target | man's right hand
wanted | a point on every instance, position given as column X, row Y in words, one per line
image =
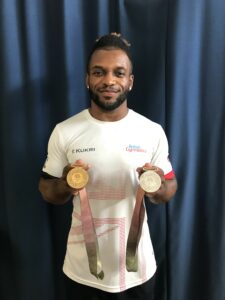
column 56, row 190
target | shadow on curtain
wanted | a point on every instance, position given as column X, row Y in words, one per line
column 179, row 54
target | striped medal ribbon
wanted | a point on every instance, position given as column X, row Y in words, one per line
column 90, row 237
column 150, row 182
column 77, row 178
column 135, row 232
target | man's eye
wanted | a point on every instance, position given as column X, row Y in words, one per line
column 120, row 74
column 97, row 73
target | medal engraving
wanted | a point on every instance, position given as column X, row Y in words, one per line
column 150, row 181
column 77, row 178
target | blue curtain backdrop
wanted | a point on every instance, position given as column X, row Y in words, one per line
column 179, row 53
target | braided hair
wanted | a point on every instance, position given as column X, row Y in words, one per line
column 109, row 42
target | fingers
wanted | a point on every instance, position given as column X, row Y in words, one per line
column 80, row 163
column 75, row 192
column 148, row 166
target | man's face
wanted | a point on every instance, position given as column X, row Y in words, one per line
column 109, row 78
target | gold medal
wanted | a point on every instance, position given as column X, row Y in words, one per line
column 150, row 181
column 77, row 178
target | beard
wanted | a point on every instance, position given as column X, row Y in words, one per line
column 107, row 106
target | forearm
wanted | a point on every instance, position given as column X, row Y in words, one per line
column 55, row 191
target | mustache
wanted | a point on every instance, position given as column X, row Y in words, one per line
column 108, row 89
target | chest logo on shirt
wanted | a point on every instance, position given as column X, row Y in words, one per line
column 135, row 148
column 80, row 150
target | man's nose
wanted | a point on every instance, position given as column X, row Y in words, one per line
column 109, row 78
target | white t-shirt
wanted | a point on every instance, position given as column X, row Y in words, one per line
column 114, row 150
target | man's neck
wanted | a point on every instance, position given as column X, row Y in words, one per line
column 108, row 116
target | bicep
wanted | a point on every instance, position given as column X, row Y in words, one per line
column 45, row 175
column 56, row 158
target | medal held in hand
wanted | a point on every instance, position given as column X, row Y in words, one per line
column 77, row 178
column 150, row 181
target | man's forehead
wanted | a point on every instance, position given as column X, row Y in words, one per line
column 113, row 57
column 102, row 66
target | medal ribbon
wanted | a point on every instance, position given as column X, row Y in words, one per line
column 135, row 232
column 91, row 242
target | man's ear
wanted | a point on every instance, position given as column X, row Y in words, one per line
column 87, row 80
column 131, row 82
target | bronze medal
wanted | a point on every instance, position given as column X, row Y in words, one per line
column 77, row 178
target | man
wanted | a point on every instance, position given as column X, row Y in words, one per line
column 109, row 252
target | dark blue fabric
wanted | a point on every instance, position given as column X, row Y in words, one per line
column 179, row 57
column 196, row 93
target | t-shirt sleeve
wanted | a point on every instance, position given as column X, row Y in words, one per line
column 161, row 156
column 56, row 157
